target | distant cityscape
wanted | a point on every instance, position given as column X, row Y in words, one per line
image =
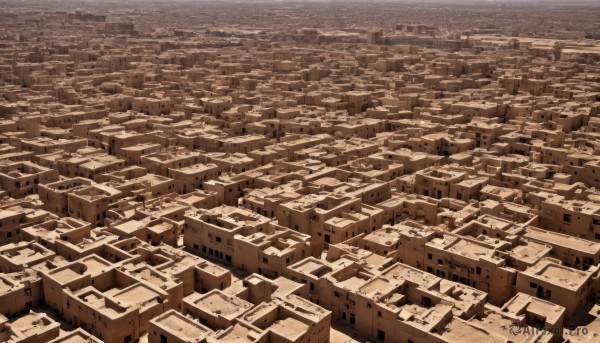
column 299, row 172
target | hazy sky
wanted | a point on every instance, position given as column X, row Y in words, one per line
column 290, row 1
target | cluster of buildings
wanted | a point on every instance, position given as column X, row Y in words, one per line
column 233, row 184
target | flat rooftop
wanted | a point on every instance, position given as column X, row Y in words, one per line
column 562, row 240
column 562, row 276
column 290, row 328
column 181, row 326
column 222, row 305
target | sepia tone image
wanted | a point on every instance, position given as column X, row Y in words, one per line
column 287, row 171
